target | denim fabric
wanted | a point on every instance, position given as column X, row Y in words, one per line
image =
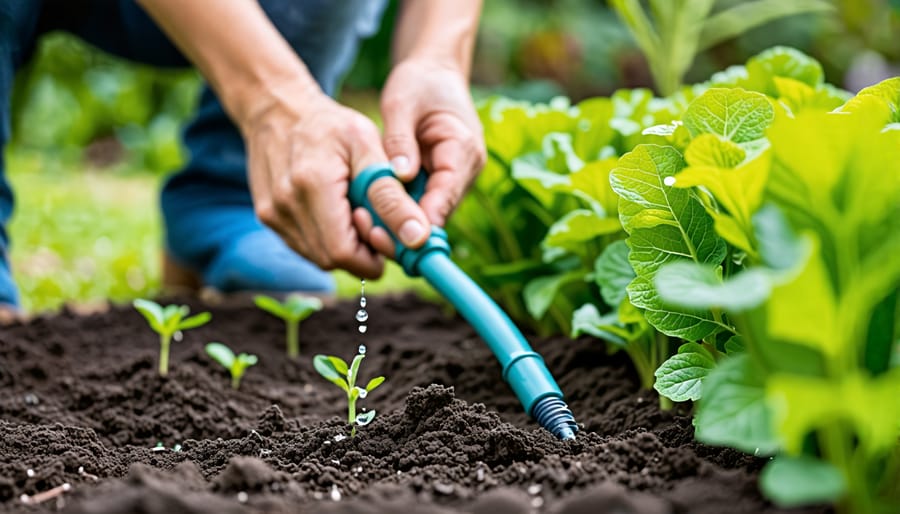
column 209, row 219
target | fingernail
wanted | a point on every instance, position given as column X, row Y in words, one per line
column 411, row 232
column 400, row 164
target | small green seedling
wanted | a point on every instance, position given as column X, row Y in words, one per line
column 293, row 310
column 235, row 364
column 335, row 370
column 167, row 322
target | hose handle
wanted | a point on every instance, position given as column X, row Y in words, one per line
column 408, row 258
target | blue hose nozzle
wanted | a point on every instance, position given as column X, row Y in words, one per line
column 523, row 368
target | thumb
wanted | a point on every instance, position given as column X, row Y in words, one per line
column 399, row 139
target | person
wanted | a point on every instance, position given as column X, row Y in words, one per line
column 262, row 202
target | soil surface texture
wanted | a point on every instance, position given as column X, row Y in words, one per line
column 82, row 404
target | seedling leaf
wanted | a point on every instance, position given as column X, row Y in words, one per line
column 325, row 367
column 195, row 321
column 152, row 312
column 339, row 365
column 375, row 382
column 221, row 354
column 299, row 307
column 270, row 305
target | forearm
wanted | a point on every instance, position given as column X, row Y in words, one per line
column 238, row 50
column 442, row 31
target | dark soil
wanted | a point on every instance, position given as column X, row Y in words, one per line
column 82, row 393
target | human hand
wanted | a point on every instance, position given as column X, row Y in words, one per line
column 303, row 150
column 429, row 120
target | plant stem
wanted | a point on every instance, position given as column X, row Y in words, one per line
column 164, row 354
column 235, row 382
column 293, row 346
column 351, row 413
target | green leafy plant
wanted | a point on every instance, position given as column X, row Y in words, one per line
column 335, row 370
column 168, row 322
column 809, row 293
column 235, row 364
column 294, row 309
column 672, row 32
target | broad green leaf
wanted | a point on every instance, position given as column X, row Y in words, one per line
column 887, row 91
column 613, row 273
column 375, row 382
column 797, row 481
column 870, row 405
column 712, row 150
column 684, row 232
column 577, row 228
column 221, row 354
column 804, row 310
column 734, row 21
column 325, row 367
column 194, row 321
column 588, row 320
column 781, row 61
column 681, row 376
column 798, row 96
column 593, row 133
column 270, row 305
column 592, row 182
column 733, row 411
column 559, row 156
column 299, row 307
column 530, row 172
column 152, row 312
column 779, row 247
column 735, row 345
column 734, row 114
column 690, row 285
column 540, row 292
column 690, row 325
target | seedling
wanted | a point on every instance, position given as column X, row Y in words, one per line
column 335, row 370
column 167, row 322
column 235, row 364
column 293, row 310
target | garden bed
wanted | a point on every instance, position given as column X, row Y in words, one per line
column 82, row 393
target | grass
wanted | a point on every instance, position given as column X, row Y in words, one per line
column 84, row 236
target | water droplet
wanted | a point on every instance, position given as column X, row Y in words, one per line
column 29, row 472
column 362, row 392
column 362, row 315
column 340, row 437
column 362, row 301
column 669, row 181
column 178, row 336
column 362, row 349
column 242, row 497
column 363, row 420
column 335, row 493
column 362, row 329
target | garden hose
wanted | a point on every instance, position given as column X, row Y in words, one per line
column 523, row 369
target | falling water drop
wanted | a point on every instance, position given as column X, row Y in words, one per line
column 362, row 315
column 362, row 349
column 363, row 419
column 362, row 329
column 362, row 301
column 362, row 392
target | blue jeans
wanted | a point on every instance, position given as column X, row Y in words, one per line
column 207, row 208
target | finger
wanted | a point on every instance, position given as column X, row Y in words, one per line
column 381, row 241
column 399, row 137
column 399, row 212
column 362, row 220
column 453, row 169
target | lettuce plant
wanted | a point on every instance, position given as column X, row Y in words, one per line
column 168, row 322
column 235, row 364
column 294, row 309
column 336, row 371
column 807, row 202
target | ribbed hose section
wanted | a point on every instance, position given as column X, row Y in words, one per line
column 553, row 414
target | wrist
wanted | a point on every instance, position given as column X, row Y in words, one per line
column 252, row 102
